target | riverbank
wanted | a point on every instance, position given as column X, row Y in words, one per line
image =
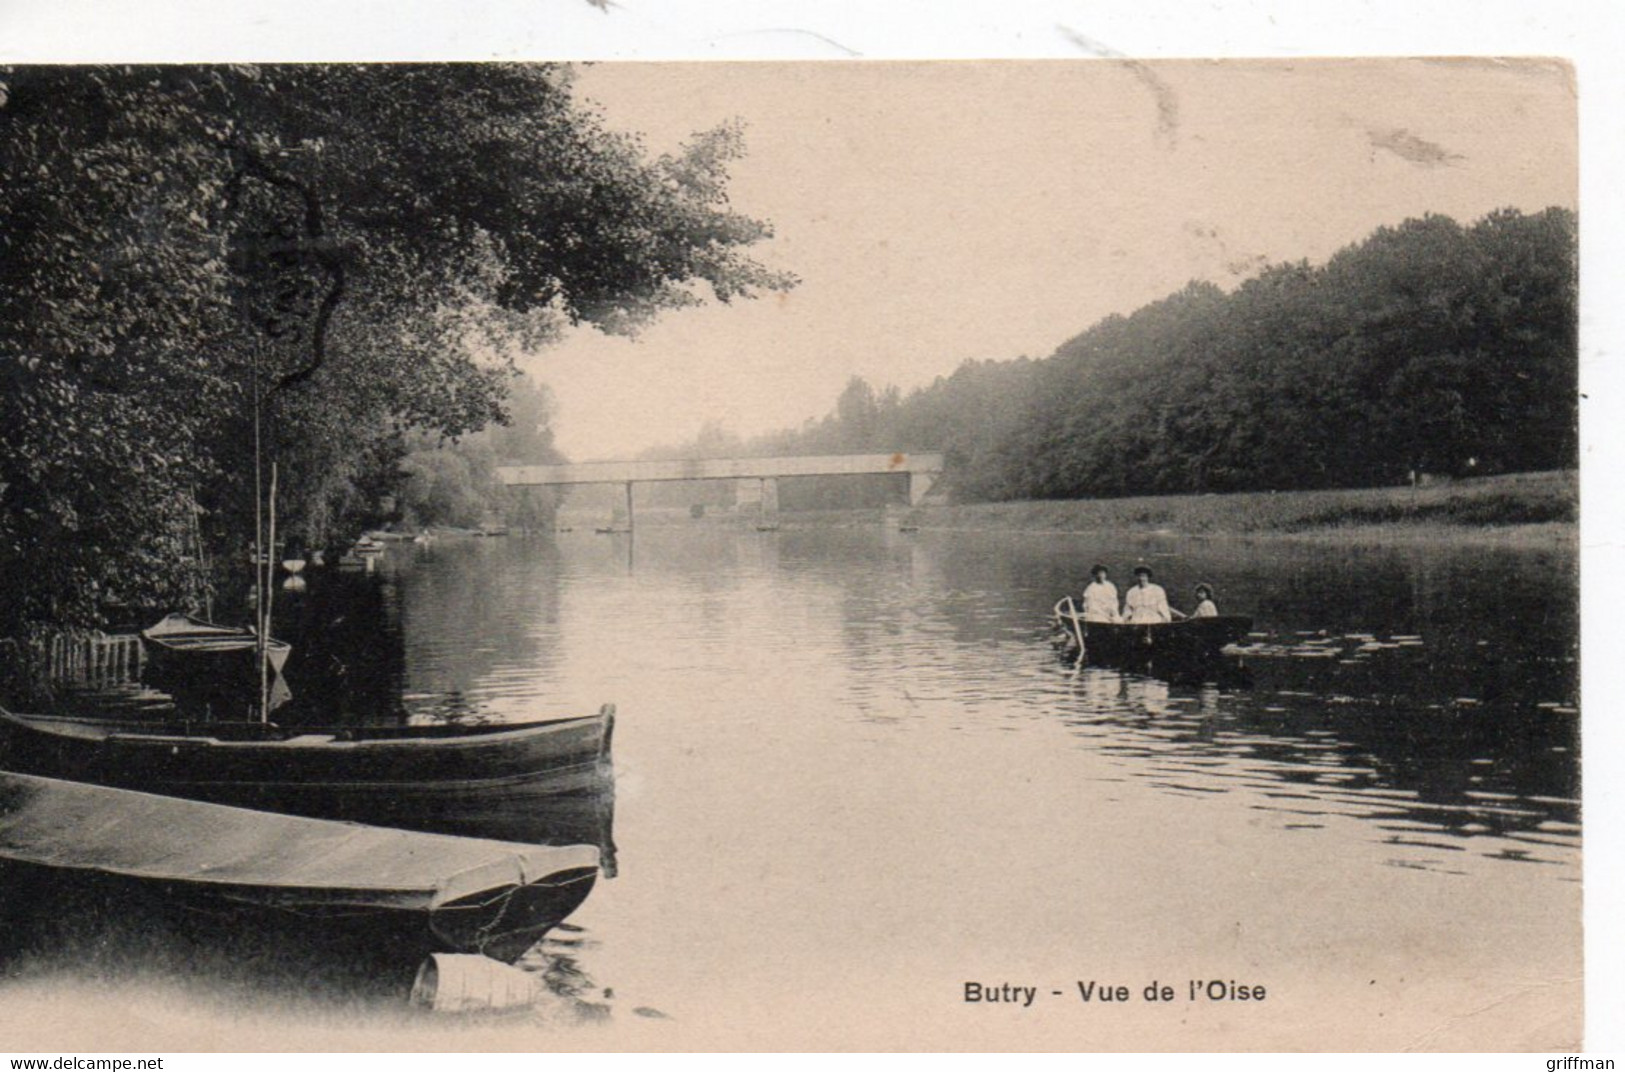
column 1522, row 508
column 1519, row 509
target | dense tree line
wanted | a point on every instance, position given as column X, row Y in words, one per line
column 1427, row 348
column 455, row 484
column 712, row 441
column 348, row 252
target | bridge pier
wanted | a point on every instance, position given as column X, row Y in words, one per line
column 758, row 494
column 761, row 493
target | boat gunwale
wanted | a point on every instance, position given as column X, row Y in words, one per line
column 416, row 789
column 1183, row 624
column 439, row 737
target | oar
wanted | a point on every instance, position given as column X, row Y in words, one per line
column 1071, row 615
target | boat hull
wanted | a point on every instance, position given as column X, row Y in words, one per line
column 190, row 657
column 1188, row 642
column 403, row 892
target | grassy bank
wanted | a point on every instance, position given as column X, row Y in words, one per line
column 1523, row 507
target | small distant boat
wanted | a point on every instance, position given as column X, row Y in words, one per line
column 213, row 669
column 184, row 647
column 487, row 781
column 411, row 893
column 1189, row 640
column 611, row 530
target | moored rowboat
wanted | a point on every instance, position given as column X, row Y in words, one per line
column 497, row 780
column 184, row 645
column 410, row 892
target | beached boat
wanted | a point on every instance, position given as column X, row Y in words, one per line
column 1186, row 641
column 409, row 893
column 509, row 781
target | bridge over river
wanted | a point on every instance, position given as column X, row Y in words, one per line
column 758, row 477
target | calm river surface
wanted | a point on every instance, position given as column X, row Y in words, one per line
column 853, row 777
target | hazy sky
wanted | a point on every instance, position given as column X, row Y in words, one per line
column 942, row 211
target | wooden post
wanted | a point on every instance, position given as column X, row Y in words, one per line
column 263, row 576
column 628, row 506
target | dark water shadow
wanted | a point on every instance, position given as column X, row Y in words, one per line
column 1445, row 774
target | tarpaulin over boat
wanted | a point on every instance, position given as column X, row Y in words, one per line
column 274, row 859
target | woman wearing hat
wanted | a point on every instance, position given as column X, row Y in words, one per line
column 1146, row 603
column 1100, row 598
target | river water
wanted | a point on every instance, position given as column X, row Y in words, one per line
column 853, row 777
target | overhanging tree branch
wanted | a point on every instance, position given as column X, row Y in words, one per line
column 313, row 244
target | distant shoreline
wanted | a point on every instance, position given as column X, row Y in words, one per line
column 1522, row 509
column 1516, row 510
column 1545, row 534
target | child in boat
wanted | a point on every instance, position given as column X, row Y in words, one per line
column 1205, row 607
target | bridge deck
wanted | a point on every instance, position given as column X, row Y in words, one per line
column 719, row 469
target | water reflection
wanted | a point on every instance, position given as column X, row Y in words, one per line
column 1427, row 691
column 1421, row 686
column 801, row 703
column 1432, row 780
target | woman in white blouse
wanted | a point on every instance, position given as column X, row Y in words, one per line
column 1146, row 603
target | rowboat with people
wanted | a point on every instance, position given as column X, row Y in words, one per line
column 1187, row 641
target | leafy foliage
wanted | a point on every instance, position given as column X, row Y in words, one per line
column 456, row 484
column 1427, row 348
column 361, row 249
